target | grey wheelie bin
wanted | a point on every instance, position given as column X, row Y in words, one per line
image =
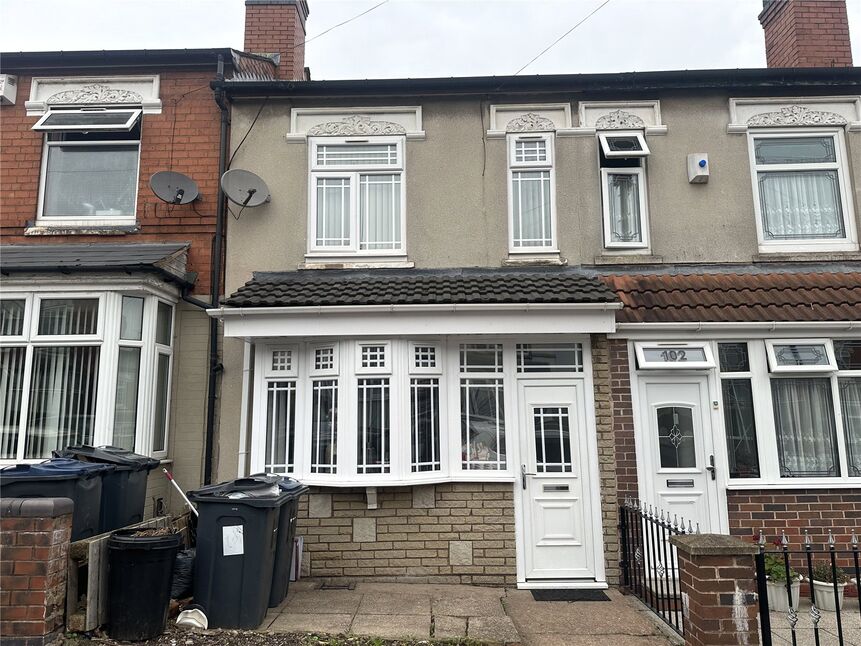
column 61, row 478
column 124, row 488
column 237, row 539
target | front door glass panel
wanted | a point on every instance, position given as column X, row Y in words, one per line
column 676, row 437
column 552, row 439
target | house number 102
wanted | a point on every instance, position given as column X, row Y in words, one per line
column 673, row 355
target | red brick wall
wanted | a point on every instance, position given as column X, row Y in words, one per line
column 806, row 33
column 278, row 28
column 33, row 576
column 184, row 138
column 623, row 420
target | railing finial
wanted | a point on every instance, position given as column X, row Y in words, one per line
column 784, row 541
column 807, row 541
column 831, row 540
column 854, row 541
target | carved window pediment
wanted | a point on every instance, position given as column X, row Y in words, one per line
column 619, row 120
column 356, row 125
column 796, row 115
column 530, row 122
column 94, row 94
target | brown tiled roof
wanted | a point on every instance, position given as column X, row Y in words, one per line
column 666, row 298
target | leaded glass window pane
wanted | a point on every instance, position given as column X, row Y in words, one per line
column 676, row 437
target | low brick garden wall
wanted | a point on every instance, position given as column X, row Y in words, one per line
column 444, row 533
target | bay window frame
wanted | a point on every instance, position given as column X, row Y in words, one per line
column 107, row 339
column 514, row 167
column 841, row 164
column 353, row 173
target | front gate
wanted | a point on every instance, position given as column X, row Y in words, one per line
column 650, row 566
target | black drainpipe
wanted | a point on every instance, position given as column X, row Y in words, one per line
column 215, row 283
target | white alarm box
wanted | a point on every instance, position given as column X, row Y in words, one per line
column 698, row 168
column 8, row 89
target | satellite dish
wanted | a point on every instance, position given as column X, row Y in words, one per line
column 173, row 188
column 244, row 188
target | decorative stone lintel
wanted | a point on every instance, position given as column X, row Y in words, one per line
column 796, row 115
column 530, row 122
column 713, row 545
column 619, row 120
column 356, row 124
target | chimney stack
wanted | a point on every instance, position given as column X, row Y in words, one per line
column 806, row 33
column 278, row 27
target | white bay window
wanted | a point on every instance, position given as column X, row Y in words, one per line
column 357, row 197
column 83, row 368
column 376, row 412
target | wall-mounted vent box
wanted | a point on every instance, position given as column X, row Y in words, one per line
column 8, row 89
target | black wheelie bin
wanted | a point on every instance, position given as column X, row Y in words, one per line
column 124, row 489
column 61, row 478
column 237, row 539
column 286, row 531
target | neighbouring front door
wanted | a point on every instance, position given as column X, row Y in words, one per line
column 678, row 456
column 555, row 485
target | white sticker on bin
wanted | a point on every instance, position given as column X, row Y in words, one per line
column 232, row 543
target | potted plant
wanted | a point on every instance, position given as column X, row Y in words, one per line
column 824, row 583
column 775, row 575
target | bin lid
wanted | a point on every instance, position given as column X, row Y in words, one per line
column 53, row 469
column 285, row 483
column 109, row 455
column 247, row 491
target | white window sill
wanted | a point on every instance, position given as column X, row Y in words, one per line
column 533, row 258
column 640, row 257
column 808, row 256
column 417, row 481
column 807, row 247
column 795, row 484
column 68, row 229
column 356, row 262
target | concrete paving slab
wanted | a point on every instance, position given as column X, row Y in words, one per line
column 299, row 622
column 435, row 590
column 385, row 603
column 496, row 630
column 468, row 607
column 392, row 627
column 330, row 602
column 592, row 640
column 449, row 627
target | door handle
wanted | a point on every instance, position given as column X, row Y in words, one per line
column 711, row 467
column 523, row 475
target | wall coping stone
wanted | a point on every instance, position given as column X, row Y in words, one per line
column 713, row 545
column 35, row 507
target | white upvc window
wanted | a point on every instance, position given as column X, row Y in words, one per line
column 357, row 197
column 626, row 217
column 792, row 427
column 802, row 193
column 482, row 406
column 531, row 193
column 90, row 163
column 84, row 368
column 623, row 144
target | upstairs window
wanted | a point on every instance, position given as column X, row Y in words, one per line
column 532, row 218
column 800, row 191
column 357, row 197
column 623, row 190
column 89, row 167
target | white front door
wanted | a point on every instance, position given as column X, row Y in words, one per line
column 555, row 484
column 678, row 456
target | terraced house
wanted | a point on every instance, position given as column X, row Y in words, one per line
column 479, row 312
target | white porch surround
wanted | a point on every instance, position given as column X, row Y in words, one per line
column 398, row 329
column 406, row 320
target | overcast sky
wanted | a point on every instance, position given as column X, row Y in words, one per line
column 412, row 38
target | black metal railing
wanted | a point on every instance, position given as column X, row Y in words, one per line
column 649, row 563
column 804, row 590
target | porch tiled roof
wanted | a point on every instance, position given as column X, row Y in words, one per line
column 666, row 298
column 420, row 287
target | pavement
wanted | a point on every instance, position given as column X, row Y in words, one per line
column 496, row 616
